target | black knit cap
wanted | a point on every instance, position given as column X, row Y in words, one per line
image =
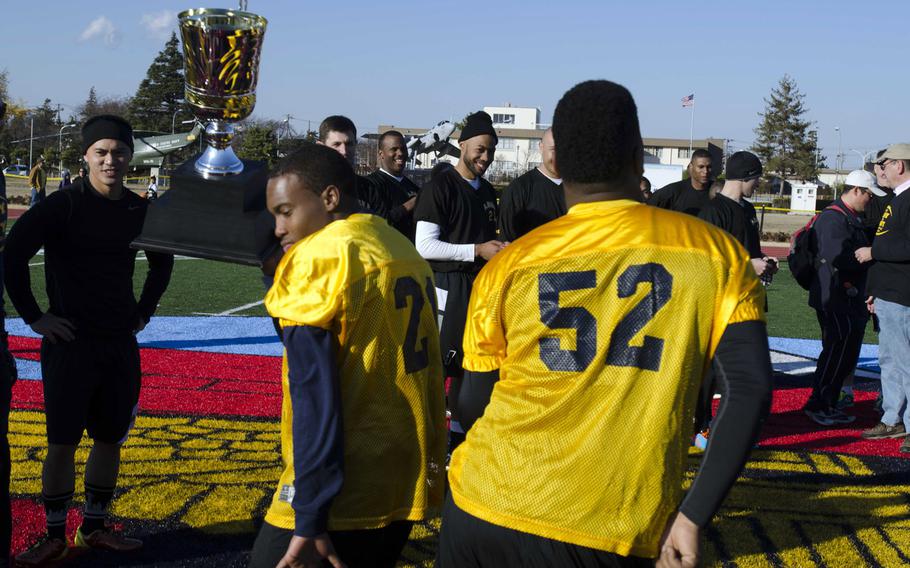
column 743, row 165
column 478, row 124
column 106, row 126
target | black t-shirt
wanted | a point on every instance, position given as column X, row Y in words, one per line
column 681, row 196
column 531, row 200
column 386, row 196
column 889, row 275
column 88, row 262
column 738, row 219
column 465, row 215
column 874, row 211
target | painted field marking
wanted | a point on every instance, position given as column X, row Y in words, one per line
column 232, row 311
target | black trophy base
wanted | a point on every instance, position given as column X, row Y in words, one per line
column 219, row 218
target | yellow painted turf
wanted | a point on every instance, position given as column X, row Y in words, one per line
column 217, row 476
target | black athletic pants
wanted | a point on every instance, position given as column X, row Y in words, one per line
column 451, row 333
column 372, row 548
column 842, row 339
column 467, row 542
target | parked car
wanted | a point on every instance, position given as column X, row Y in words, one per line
column 16, row 170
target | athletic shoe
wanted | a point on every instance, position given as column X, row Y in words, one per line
column 701, row 439
column 882, row 430
column 106, row 539
column 845, row 400
column 44, row 553
column 838, row 417
column 905, row 447
column 818, row 416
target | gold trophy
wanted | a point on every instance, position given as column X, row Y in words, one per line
column 221, row 51
column 215, row 206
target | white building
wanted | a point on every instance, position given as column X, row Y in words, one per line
column 519, row 132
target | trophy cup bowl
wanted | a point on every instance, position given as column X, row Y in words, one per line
column 221, row 50
column 215, row 205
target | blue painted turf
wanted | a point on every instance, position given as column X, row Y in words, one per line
column 256, row 336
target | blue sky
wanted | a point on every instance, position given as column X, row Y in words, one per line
column 415, row 63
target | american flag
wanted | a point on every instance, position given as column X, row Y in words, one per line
column 688, row 101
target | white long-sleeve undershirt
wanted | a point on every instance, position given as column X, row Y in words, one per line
column 431, row 248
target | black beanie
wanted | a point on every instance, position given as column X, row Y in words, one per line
column 743, row 165
column 106, row 126
column 478, row 124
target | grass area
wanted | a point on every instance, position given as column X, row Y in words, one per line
column 204, row 286
column 789, row 314
column 197, row 286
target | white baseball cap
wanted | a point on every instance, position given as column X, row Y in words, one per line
column 862, row 178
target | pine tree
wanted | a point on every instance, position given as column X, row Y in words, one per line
column 90, row 107
column 784, row 142
column 257, row 142
column 160, row 94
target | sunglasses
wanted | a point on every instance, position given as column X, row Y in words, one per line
column 883, row 163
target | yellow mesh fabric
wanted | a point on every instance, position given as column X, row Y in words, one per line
column 362, row 280
column 601, row 324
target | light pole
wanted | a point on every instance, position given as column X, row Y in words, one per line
column 60, row 145
column 862, row 155
column 839, row 161
column 31, row 140
column 173, row 118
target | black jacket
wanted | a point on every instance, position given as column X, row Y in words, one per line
column 840, row 281
column 890, row 273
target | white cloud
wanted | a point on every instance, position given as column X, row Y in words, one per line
column 103, row 29
column 159, row 25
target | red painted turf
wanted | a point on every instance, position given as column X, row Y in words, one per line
column 184, row 382
column 217, row 384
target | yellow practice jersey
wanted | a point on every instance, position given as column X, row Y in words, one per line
column 601, row 324
column 363, row 281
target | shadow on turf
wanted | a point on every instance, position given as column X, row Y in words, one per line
column 804, row 519
column 183, row 547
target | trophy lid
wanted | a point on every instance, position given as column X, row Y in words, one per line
column 221, row 18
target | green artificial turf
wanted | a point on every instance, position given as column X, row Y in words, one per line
column 789, row 314
column 209, row 287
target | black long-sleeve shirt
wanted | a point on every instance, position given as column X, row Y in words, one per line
column 386, row 197
column 889, row 276
column 737, row 218
column 88, row 262
column 531, row 200
column 681, row 196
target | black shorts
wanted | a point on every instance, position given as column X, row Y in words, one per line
column 90, row 383
column 369, row 548
column 466, row 541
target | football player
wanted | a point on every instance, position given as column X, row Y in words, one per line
column 586, row 342
column 363, row 412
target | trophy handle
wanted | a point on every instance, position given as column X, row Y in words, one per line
column 219, row 158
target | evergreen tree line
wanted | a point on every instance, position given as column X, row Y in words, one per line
column 785, row 141
column 158, row 107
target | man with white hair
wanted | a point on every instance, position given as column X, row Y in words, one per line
column 889, row 296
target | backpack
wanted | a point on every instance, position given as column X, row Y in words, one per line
column 801, row 259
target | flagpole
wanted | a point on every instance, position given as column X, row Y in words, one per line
column 691, row 127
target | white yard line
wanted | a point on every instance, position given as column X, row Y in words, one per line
column 138, row 257
column 232, row 311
